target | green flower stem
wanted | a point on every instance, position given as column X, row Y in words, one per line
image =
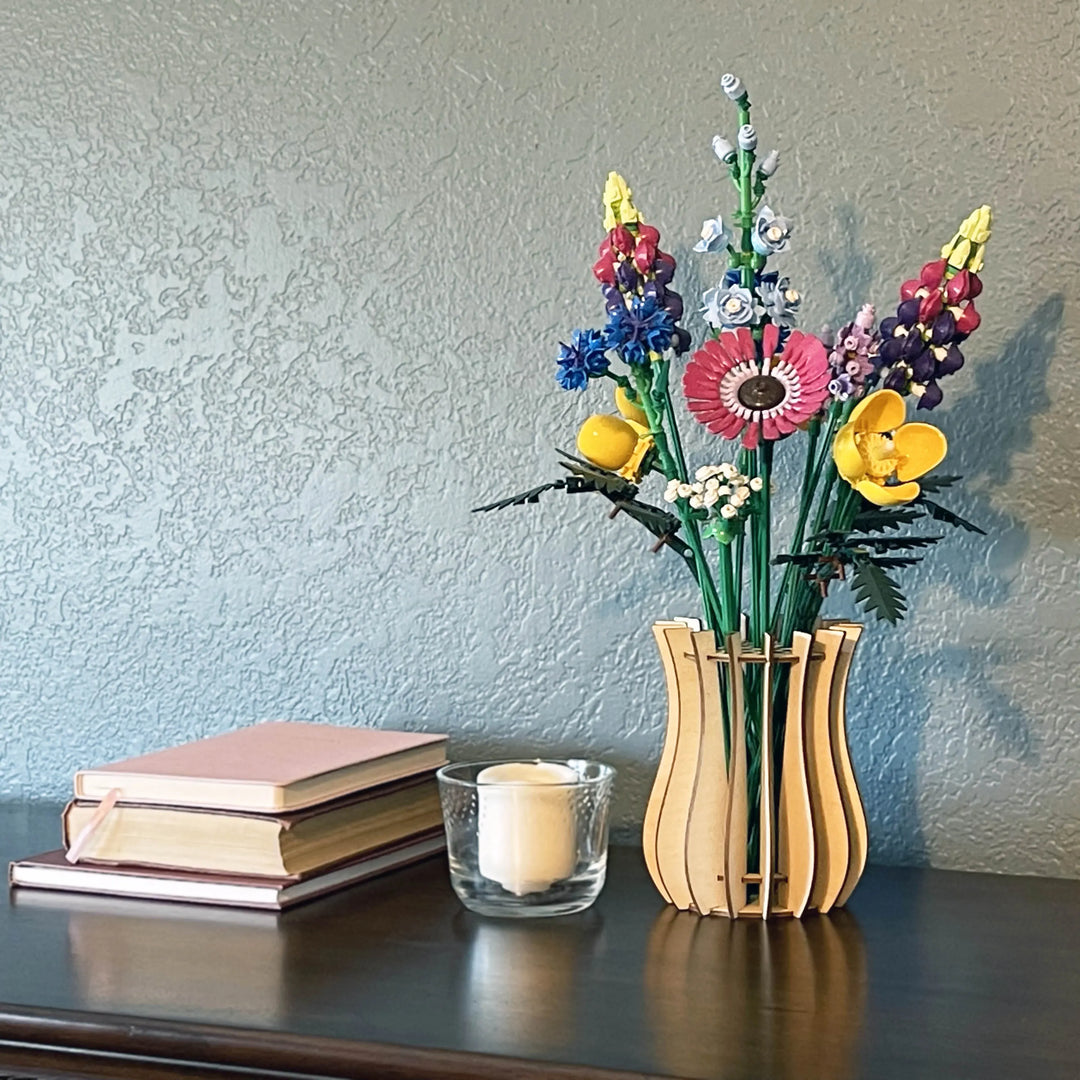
column 740, row 548
column 760, row 552
column 805, row 600
column 729, row 603
column 825, row 501
column 744, row 463
column 746, row 199
column 848, row 503
column 778, row 619
column 622, row 380
column 643, row 385
column 663, row 372
column 837, row 419
column 796, row 586
column 728, row 624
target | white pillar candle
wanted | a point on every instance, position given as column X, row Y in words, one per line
column 526, row 832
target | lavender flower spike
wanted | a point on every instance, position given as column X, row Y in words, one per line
column 865, row 318
column 770, row 164
column 723, row 149
column 732, row 86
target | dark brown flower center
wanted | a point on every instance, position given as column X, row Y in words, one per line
column 762, row 392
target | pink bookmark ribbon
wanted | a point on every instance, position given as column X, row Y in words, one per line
column 86, row 833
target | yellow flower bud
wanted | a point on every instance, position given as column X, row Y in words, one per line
column 619, row 206
column 607, row 441
column 965, row 249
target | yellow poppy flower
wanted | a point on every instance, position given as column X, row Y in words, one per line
column 619, row 206
column 616, row 444
column 875, row 447
column 630, row 410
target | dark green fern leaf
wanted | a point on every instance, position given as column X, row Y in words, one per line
column 934, row 484
column 608, row 482
column 940, row 513
column 530, row 496
column 827, row 536
column 880, row 519
column 652, row 517
column 806, row 559
column 877, row 592
column 891, row 543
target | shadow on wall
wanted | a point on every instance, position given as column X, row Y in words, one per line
column 849, row 270
column 989, row 426
column 992, row 424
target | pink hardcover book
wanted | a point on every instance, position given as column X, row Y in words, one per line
column 279, row 765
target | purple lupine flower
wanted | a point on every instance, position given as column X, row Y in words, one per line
column 626, row 276
column 919, row 344
column 613, row 298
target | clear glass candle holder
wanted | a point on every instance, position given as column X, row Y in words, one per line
column 526, row 838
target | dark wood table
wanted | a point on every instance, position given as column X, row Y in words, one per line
column 927, row 975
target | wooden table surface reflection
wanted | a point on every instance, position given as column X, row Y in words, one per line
column 927, row 975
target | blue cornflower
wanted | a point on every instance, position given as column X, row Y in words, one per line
column 639, row 329
column 584, row 357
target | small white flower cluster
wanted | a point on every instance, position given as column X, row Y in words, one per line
column 714, row 483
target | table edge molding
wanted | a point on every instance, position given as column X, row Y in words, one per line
column 142, row 1040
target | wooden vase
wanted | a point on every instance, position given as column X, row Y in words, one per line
column 811, row 827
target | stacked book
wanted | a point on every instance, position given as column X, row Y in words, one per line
column 264, row 816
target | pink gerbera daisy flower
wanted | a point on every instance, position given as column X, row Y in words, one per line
column 732, row 392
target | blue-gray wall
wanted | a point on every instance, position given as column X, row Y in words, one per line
column 280, row 287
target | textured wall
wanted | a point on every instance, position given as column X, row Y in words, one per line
column 280, row 287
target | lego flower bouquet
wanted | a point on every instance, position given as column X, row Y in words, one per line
column 755, row 808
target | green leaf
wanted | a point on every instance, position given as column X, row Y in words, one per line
column 889, row 562
column 530, row 496
column 936, row 483
column 652, row 517
column 807, row 559
column 891, row 543
column 831, row 537
column 940, row 513
column 877, row 592
column 608, row 482
column 879, row 519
